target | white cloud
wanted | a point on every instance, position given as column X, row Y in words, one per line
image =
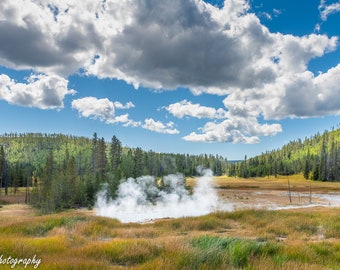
column 326, row 10
column 57, row 37
column 297, row 95
column 119, row 105
column 166, row 44
column 186, row 108
column 40, row 91
column 277, row 12
column 159, row 127
column 234, row 130
column 125, row 120
column 103, row 110
column 265, row 15
column 158, row 44
column 295, row 52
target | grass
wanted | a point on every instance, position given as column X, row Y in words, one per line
column 244, row 239
column 247, row 239
column 297, row 182
column 11, row 198
column 218, row 252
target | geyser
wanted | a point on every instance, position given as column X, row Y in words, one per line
column 140, row 200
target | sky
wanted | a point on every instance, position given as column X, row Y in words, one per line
column 230, row 78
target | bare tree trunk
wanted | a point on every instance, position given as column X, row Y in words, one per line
column 27, row 191
column 310, row 191
column 289, row 192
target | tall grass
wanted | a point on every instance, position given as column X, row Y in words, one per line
column 248, row 239
column 216, row 252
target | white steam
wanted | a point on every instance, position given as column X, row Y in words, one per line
column 140, row 200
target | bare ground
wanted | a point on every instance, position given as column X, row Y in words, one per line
column 276, row 193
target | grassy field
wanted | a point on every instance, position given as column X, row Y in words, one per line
column 245, row 239
column 297, row 183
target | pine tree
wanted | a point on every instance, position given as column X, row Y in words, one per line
column 72, row 181
column 94, row 152
column 48, row 188
column 100, row 159
column 307, row 167
column 128, row 164
column 138, row 170
column 2, row 167
column 115, row 153
column 323, row 159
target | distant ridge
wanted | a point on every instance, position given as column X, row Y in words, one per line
column 316, row 157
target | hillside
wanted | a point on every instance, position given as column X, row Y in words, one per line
column 32, row 149
column 317, row 158
column 63, row 171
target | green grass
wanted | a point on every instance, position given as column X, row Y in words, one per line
column 234, row 252
column 248, row 239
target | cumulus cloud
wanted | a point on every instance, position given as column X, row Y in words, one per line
column 168, row 44
column 39, row 91
column 159, row 127
column 234, row 130
column 119, row 105
column 186, row 108
column 50, row 37
column 125, row 120
column 304, row 94
column 103, row 110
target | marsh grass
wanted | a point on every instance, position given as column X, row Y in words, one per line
column 127, row 252
column 247, row 239
column 233, row 252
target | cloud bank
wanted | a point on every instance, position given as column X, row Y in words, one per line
column 164, row 45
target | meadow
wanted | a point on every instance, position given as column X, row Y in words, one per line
column 242, row 239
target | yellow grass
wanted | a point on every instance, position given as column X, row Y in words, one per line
column 297, row 182
column 74, row 240
column 244, row 239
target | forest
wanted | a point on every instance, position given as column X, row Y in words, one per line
column 317, row 158
column 62, row 171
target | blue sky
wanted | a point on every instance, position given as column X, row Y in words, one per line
column 232, row 78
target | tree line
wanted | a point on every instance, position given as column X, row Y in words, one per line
column 317, row 158
column 62, row 171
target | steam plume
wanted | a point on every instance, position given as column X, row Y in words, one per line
column 140, row 200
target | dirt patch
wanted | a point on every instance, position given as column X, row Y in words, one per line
column 273, row 193
column 16, row 210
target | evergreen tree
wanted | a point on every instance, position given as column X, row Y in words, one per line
column 138, row 158
column 307, row 167
column 90, row 186
column 94, row 152
column 323, row 160
column 2, row 167
column 115, row 153
column 128, row 164
column 48, row 189
column 101, row 160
